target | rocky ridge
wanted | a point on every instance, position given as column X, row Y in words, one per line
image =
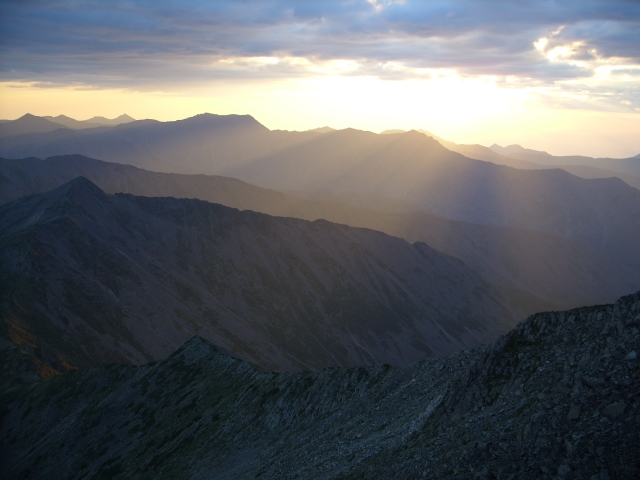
column 557, row 397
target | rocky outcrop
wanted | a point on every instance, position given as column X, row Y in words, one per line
column 558, row 397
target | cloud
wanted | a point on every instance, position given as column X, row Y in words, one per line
column 161, row 44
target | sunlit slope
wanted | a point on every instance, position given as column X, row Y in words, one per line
column 561, row 271
column 91, row 278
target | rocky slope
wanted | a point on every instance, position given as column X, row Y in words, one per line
column 558, row 397
column 565, row 273
column 90, row 278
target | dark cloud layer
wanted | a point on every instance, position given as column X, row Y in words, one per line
column 149, row 43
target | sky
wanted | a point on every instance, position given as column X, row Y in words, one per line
column 559, row 76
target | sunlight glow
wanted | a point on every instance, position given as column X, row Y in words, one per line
column 464, row 110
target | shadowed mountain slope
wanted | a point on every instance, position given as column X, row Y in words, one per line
column 91, row 278
column 557, row 396
column 563, row 272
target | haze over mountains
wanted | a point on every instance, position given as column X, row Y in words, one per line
column 91, row 122
column 509, row 156
column 409, row 167
column 32, row 124
column 543, row 238
column 562, row 272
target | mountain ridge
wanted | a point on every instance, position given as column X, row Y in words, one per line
column 558, row 395
column 134, row 277
column 408, row 167
column 506, row 256
column 28, row 124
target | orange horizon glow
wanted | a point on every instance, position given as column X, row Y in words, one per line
column 461, row 110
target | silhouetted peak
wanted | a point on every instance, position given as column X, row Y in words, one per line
column 420, row 137
column 497, row 149
column 125, row 118
column 29, row 119
column 61, row 117
column 514, row 149
column 80, row 188
column 322, row 130
column 28, row 123
column 222, row 122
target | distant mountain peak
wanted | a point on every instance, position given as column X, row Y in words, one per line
column 515, row 149
column 514, row 146
column 77, row 195
column 214, row 120
column 497, row 149
column 60, row 117
column 79, row 189
column 124, row 118
column 322, row 129
column 28, row 123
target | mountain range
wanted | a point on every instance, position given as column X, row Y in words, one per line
column 91, row 278
column 590, row 168
column 93, row 122
column 562, row 272
column 28, row 124
column 623, row 165
column 208, row 298
column 410, row 168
